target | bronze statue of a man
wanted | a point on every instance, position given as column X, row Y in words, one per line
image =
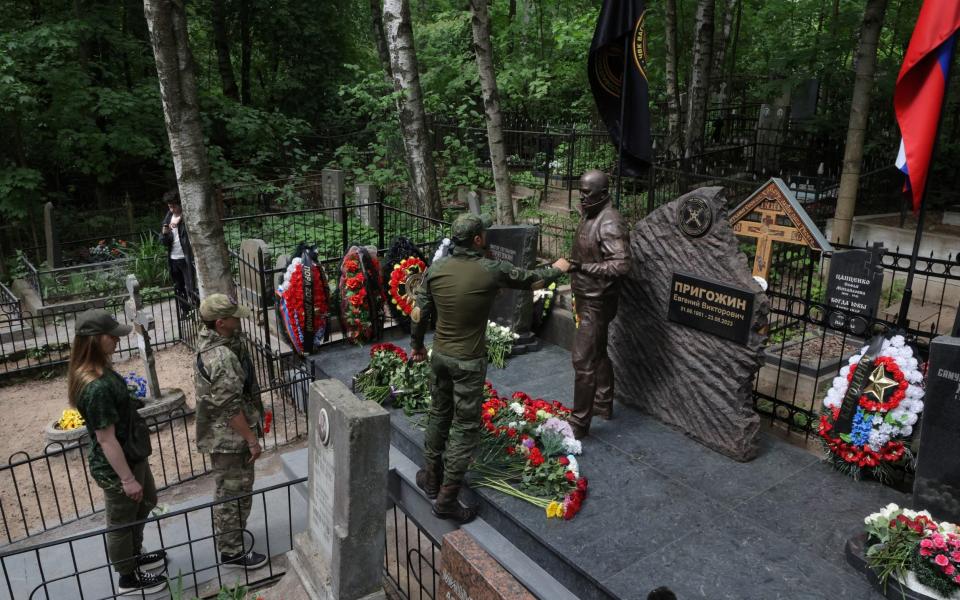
column 600, row 258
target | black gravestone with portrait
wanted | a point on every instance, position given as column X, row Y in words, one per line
column 516, row 244
column 854, row 286
column 936, row 486
column 687, row 341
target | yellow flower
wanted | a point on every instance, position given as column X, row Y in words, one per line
column 70, row 419
column 554, row 510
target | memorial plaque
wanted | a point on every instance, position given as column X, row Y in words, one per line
column 937, row 484
column 854, row 286
column 711, row 306
column 333, row 184
column 251, row 282
column 516, row 244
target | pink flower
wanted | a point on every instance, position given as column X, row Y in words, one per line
column 938, row 541
column 956, row 579
column 949, row 570
column 925, row 552
column 942, row 560
column 955, row 555
column 926, row 543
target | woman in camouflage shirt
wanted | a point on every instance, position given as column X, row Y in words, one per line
column 119, row 447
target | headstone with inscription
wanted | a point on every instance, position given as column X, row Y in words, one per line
column 339, row 554
column 473, row 202
column 854, row 286
column 159, row 402
column 516, row 244
column 936, row 486
column 468, row 572
column 690, row 290
column 333, row 184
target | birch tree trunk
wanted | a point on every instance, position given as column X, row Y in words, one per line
column 219, row 21
column 491, row 104
column 699, row 78
column 859, row 113
column 673, row 90
column 413, row 119
column 167, row 23
column 719, row 53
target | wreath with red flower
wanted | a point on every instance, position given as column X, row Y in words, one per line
column 303, row 304
column 404, row 279
column 887, row 406
column 361, row 296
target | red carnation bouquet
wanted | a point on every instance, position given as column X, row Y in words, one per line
column 361, row 296
column 304, row 304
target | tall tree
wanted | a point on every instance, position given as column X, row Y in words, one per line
column 221, row 41
column 413, row 119
column 245, row 50
column 491, row 104
column 167, row 22
column 699, row 78
column 859, row 113
column 719, row 53
column 673, row 89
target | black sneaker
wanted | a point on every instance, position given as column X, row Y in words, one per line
column 139, row 583
column 253, row 560
column 150, row 561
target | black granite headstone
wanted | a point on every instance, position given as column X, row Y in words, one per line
column 516, row 244
column 854, row 286
column 711, row 306
column 937, row 484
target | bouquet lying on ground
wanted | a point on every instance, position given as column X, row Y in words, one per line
column 391, row 374
column 528, row 451
column 915, row 549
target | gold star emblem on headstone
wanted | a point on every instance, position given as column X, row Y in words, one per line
column 879, row 383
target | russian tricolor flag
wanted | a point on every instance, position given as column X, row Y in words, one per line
column 921, row 85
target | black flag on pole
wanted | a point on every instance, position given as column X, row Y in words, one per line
column 620, row 30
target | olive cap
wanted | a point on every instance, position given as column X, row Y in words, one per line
column 221, row 306
column 99, row 322
column 469, row 225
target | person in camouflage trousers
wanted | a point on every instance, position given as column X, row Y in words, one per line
column 228, row 417
column 460, row 289
column 118, row 451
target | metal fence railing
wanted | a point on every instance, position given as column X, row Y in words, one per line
column 77, row 566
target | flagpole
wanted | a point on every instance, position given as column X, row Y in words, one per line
column 908, row 287
column 623, row 112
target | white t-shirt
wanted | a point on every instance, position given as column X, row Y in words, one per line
column 176, row 253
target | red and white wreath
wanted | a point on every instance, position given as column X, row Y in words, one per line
column 886, row 411
column 304, row 330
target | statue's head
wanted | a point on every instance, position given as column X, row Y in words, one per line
column 594, row 191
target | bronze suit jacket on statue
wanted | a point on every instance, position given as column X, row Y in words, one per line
column 601, row 250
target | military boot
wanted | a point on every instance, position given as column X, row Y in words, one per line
column 448, row 506
column 429, row 479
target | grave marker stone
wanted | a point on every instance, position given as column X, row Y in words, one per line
column 699, row 381
column 854, row 286
column 333, row 184
column 468, row 572
column 367, row 210
column 516, row 244
column 937, row 484
column 54, row 257
column 473, row 202
column 342, row 548
column 252, row 284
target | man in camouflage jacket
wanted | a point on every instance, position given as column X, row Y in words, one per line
column 228, row 417
column 461, row 289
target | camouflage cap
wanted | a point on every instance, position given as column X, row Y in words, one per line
column 98, row 322
column 468, row 225
column 221, row 306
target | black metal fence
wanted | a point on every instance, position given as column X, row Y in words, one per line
column 810, row 342
column 411, row 564
column 78, row 567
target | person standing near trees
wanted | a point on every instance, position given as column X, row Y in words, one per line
column 228, row 417
column 461, row 289
column 174, row 236
column 119, row 447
